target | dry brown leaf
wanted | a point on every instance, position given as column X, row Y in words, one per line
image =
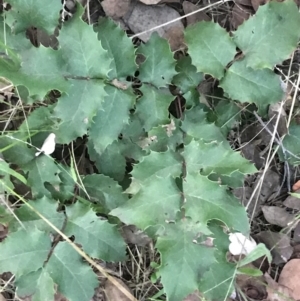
column 2, row 298
column 145, row 17
column 115, row 8
column 277, row 243
column 243, row 2
column 175, row 37
column 153, row 2
column 240, row 14
column 133, row 235
column 278, row 216
column 189, row 7
column 290, row 277
column 253, row 287
column 292, row 201
column 275, row 110
column 112, row 293
column 257, row 3
column 277, row 292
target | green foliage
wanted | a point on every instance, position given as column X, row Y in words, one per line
column 158, row 158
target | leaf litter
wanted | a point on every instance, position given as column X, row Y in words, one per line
column 266, row 189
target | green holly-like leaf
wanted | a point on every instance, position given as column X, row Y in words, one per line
column 152, row 107
column 40, row 170
column 76, row 108
column 66, row 267
column 207, row 200
column 215, row 157
column 111, row 162
column 97, row 237
column 154, row 203
column 187, row 78
column 110, row 118
column 23, row 252
column 276, row 24
column 31, row 220
column 291, row 143
column 38, row 285
column 113, row 39
column 210, row 47
column 167, row 136
column 248, row 85
column 227, row 114
column 77, row 40
column 157, row 165
column 15, row 150
column 35, row 13
column 104, row 192
column 195, row 124
column 178, row 245
column 158, row 68
column 40, row 72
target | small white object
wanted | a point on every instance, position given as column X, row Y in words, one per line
column 48, row 146
column 240, row 244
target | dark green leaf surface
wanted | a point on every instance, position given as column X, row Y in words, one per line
column 270, row 36
column 75, row 279
column 23, row 252
column 248, row 85
column 35, row 13
column 152, row 107
column 210, row 47
column 158, row 68
column 113, row 39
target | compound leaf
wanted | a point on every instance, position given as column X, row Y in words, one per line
column 23, row 252
column 97, row 237
column 270, row 36
column 210, row 47
column 158, row 68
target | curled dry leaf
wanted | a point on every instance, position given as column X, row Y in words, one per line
column 278, row 216
column 277, row 292
column 257, row 3
column 174, row 36
column 189, row 7
column 195, row 296
column 278, row 244
column 290, row 277
column 116, row 8
column 112, row 293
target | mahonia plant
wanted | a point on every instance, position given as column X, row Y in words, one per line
column 89, row 86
